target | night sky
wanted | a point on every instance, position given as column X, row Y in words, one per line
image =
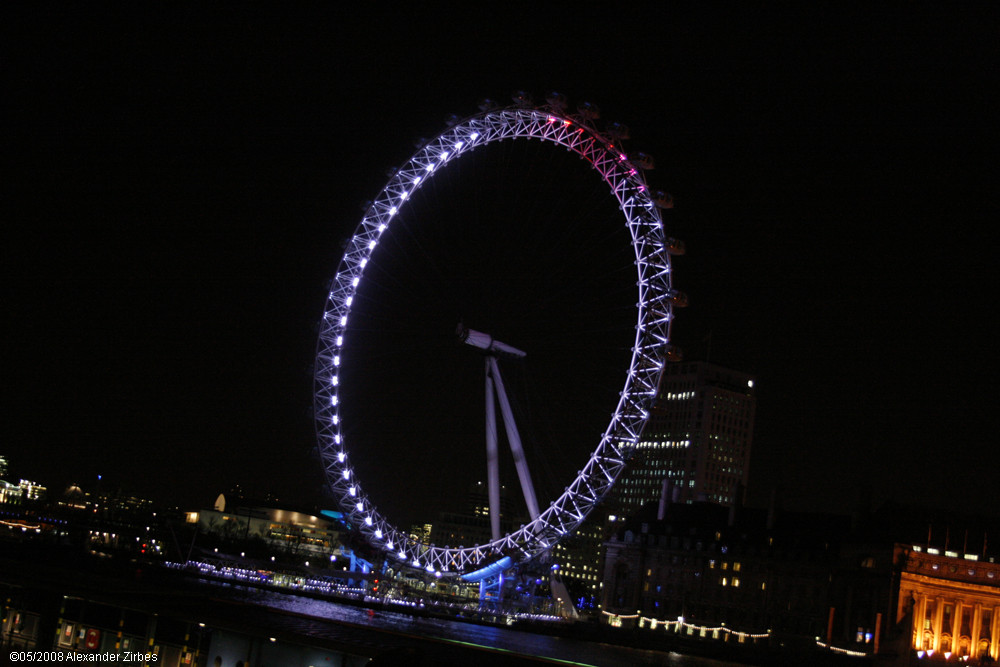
column 180, row 185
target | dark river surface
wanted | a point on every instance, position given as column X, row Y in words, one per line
column 321, row 613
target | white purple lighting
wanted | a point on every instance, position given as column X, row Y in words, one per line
column 628, row 186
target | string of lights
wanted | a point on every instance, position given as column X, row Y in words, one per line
column 679, row 624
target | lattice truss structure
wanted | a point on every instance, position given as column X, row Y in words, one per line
column 656, row 300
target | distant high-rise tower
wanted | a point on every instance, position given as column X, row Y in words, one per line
column 698, row 437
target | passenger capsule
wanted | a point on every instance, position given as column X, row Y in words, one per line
column 673, row 353
column 675, row 246
column 391, row 171
column 676, row 298
column 662, row 199
column 618, row 131
column 365, row 205
column 486, row 104
column 642, row 160
column 588, row 111
column 522, row 98
column 452, row 119
column 556, row 100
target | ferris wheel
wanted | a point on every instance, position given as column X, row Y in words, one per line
column 640, row 208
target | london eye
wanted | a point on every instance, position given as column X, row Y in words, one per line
column 653, row 301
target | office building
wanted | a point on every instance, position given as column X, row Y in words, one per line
column 698, row 439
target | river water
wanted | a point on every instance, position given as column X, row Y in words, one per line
column 515, row 641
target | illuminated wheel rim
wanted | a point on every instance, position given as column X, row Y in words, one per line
column 651, row 349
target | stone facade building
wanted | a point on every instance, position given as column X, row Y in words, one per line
column 953, row 600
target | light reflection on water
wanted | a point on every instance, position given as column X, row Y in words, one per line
column 517, row 641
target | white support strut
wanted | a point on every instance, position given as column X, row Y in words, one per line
column 492, row 456
column 520, row 463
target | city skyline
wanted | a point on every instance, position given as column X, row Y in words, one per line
column 180, row 206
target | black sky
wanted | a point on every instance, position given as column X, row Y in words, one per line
column 181, row 184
